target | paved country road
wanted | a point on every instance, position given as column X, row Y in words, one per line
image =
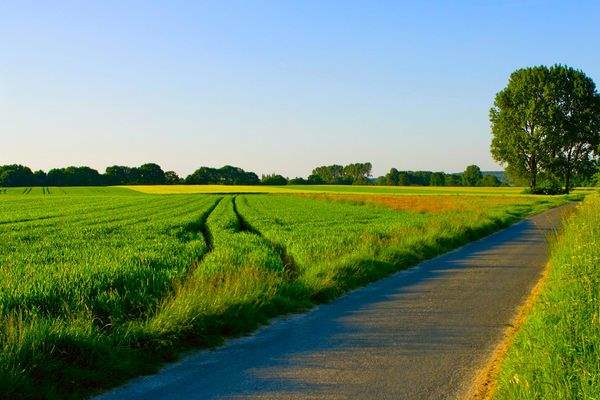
column 422, row 333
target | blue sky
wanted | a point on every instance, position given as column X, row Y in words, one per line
column 271, row 86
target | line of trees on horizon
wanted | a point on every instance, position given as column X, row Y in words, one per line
column 472, row 176
column 146, row 174
column 152, row 174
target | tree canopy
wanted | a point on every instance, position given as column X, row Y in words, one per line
column 16, row 175
column 546, row 122
column 227, row 175
column 153, row 174
column 472, row 176
column 356, row 174
column 274, row 179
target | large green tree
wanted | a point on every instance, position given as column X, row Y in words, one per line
column 437, row 179
column 16, row 175
column 332, row 174
column 519, row 119
column 151, row 174
column 392, row 178
column 575, row 123
column 546, row 120
column 359, row 173
column 472, row 176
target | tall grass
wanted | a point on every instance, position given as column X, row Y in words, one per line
column 556, row 354
column 98, row 286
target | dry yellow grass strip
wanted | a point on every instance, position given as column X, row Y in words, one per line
column 424, row 203
column 484, row 385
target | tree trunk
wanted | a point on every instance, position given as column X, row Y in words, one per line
column 533, row 168
column 568, row 180
column 568, row 168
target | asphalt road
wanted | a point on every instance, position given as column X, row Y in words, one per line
column 420, row 334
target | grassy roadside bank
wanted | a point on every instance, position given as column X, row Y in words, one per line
column 556, row 354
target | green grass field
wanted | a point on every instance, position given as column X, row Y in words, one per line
column 556, row 354
column 187, row 189
column 101, row 284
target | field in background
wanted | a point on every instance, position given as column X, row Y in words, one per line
column 71, row 191
column 556, row 354
column 101, row 284
column 290, row 189
column 173, row 189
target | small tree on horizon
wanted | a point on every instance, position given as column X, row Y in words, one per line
column 472, row 176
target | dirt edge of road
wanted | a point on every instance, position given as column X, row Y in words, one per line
column 484, row 385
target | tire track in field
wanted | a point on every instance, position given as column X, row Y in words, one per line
column 289, row 264
column 201, row 227
column 204, row 231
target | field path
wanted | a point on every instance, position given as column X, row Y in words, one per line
column 422, row 333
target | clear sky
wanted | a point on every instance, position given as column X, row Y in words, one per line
column 271, row 86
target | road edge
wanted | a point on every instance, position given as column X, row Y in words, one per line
column 483, row 386
column 485, row 382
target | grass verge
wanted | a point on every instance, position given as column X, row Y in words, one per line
column 556, row 354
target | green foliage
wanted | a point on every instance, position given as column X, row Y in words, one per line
column 146, row 174
column 151, row 174
column 330, row 174
column 490, row 181
column 315, row 180
column 406, row 178
column 226, row 175
column 298, row 181
column 393, row 177
column 16, row 175
column 519, row 123
column 556, row 354
column 472, row 176
column 171, row 178
column 437, row 179
column 381, row 181
column 357, row 174
column 274, row 180
column 453, row 180
column 121, row 175
column 73, row 176
column 546, row 120
column 576, row 122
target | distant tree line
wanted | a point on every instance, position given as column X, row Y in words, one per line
column 153, row 174
column 546, row 128
column 146, row 174
column 472, row 176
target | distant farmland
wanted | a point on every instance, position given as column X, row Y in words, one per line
column 101, row 284
column 186, row 189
